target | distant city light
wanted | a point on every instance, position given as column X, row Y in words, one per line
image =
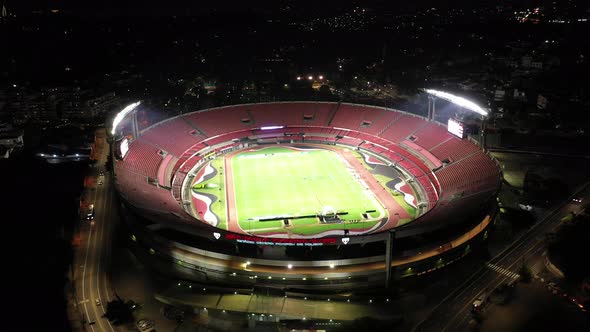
column 321, row 77
column 310, row 77
column 122, row 114
column 459, row 101
column 299, row 78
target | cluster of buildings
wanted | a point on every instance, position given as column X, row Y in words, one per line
column 55, row 104
column 10, row 139
column 357, row 19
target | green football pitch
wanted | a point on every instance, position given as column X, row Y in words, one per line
column 280, row 181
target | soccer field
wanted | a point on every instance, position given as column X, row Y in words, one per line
column 280, row 181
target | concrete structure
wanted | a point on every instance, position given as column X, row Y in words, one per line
column 455, row 179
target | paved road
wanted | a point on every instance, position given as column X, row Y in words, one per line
column 454, row 312
column 93, row 255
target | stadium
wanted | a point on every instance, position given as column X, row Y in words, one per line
column 300, row 196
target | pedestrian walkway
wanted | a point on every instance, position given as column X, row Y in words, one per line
column 502, row 271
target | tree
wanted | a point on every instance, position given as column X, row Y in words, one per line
column 525, row 273
column 120, row 312
column 569, row 248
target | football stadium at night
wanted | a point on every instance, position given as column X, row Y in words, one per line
column 300, row 195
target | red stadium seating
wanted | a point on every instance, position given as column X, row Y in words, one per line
column 362, row 118
column 454, row 149
column 470, row 173
column 221, row 120
column 142, row 158
column 431, row 135
column 140, row 193
column 400, row 129
column 173, row 136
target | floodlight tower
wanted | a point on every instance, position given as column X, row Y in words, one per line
column 121, row 115
column 431, row 107
column 459, row 101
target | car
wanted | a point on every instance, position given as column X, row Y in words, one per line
column 525, row 207
column 144, row 324
column 97, row 301
column 90, row 212
column 477, row 304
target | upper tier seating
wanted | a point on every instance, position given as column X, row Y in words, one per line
column 310, row 114
column 142, row 158
column 174, row 136
column 454, row 149
column 402, row 128
column 367, row 119
column 221, row 120
column 140, row 193
column 431, row 135
column 471, row 175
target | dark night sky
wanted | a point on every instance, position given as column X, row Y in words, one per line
column 193, row 7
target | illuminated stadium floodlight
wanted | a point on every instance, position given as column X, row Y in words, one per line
column 271, row 127
column 122, row 114
column 459, row 101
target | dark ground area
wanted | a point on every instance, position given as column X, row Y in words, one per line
column 534, row 309
column 40, row 209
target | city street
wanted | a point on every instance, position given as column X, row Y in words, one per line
column 91, row 275
column 453, row 313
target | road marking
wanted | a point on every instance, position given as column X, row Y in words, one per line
column 97, row 244
column 503, row 271
column 99, row 248
column 84, row 275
